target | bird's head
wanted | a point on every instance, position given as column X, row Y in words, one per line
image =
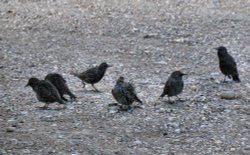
column 120, row 79
column 221, row 50
column 177, row 74
column 32, row 82
column 104, row 66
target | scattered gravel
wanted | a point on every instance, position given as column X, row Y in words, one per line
column 145, row 41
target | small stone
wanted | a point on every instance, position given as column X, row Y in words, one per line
column 71, row 108
column 26, row 151
column 218, row 141
column 161, row 110
column 177, row 131
column 12, row 122
column 232, row 149
column 10, row 129
column 194, row 88
column 137, row 142
column 229, row 95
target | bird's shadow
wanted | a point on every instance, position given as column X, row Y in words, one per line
column 171, row 102
column 120, row 108
column 91, row 91
column 49, row 108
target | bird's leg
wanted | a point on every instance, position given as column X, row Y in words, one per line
column 95, row 88
column 83, row 84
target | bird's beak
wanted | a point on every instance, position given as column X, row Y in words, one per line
column 110, row 65
column 216, row 48
column 26, row 85
column 184, row 74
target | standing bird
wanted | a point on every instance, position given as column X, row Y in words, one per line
column 60, row 83
column 124, row 93
column 93, row 75
column 227, row 64
column 45, row 91
column 174, row 85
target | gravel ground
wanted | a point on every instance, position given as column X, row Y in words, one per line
column 145, row 41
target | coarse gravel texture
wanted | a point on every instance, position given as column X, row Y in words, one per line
column 144, row 41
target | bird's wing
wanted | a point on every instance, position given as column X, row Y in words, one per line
column 169, row 84
column 89, row 74
column 59, row 77
column 129, row 92
column 120, row 95
column 47, row 90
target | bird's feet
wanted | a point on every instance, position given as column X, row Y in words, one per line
column 83, row 85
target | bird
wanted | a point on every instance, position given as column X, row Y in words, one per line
column 60, row 83
column 93, row 75
column 45, row 91
column 124, row 93
column 227, row 64
column 174, row 85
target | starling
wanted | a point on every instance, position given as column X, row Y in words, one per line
column 60, row 83
column 124, row 93
column 45, row 91
column 93, row 75
column 174, row 85
column 227, row 64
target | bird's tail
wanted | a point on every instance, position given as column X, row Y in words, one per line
column 138, row 100
column 162, row 95
column 236, row 78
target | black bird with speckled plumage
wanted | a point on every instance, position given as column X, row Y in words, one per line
column 45, row 91
column 60, row 83
column 174, row 85
column 227, row 64
column 124, row 92
column 93, row 75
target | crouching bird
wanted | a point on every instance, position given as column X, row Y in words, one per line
column 124, row 93
column 227, row 64
column 93, row 75
column 45, row 91
column 174, row 85
column 60, row 83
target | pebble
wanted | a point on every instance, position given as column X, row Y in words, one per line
column 10, row 129
column 161, row 110
column 137, row 142
column 203, row 118
column 229, row 95
column 12, row 122
column 177, row 131
column 26, row 151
